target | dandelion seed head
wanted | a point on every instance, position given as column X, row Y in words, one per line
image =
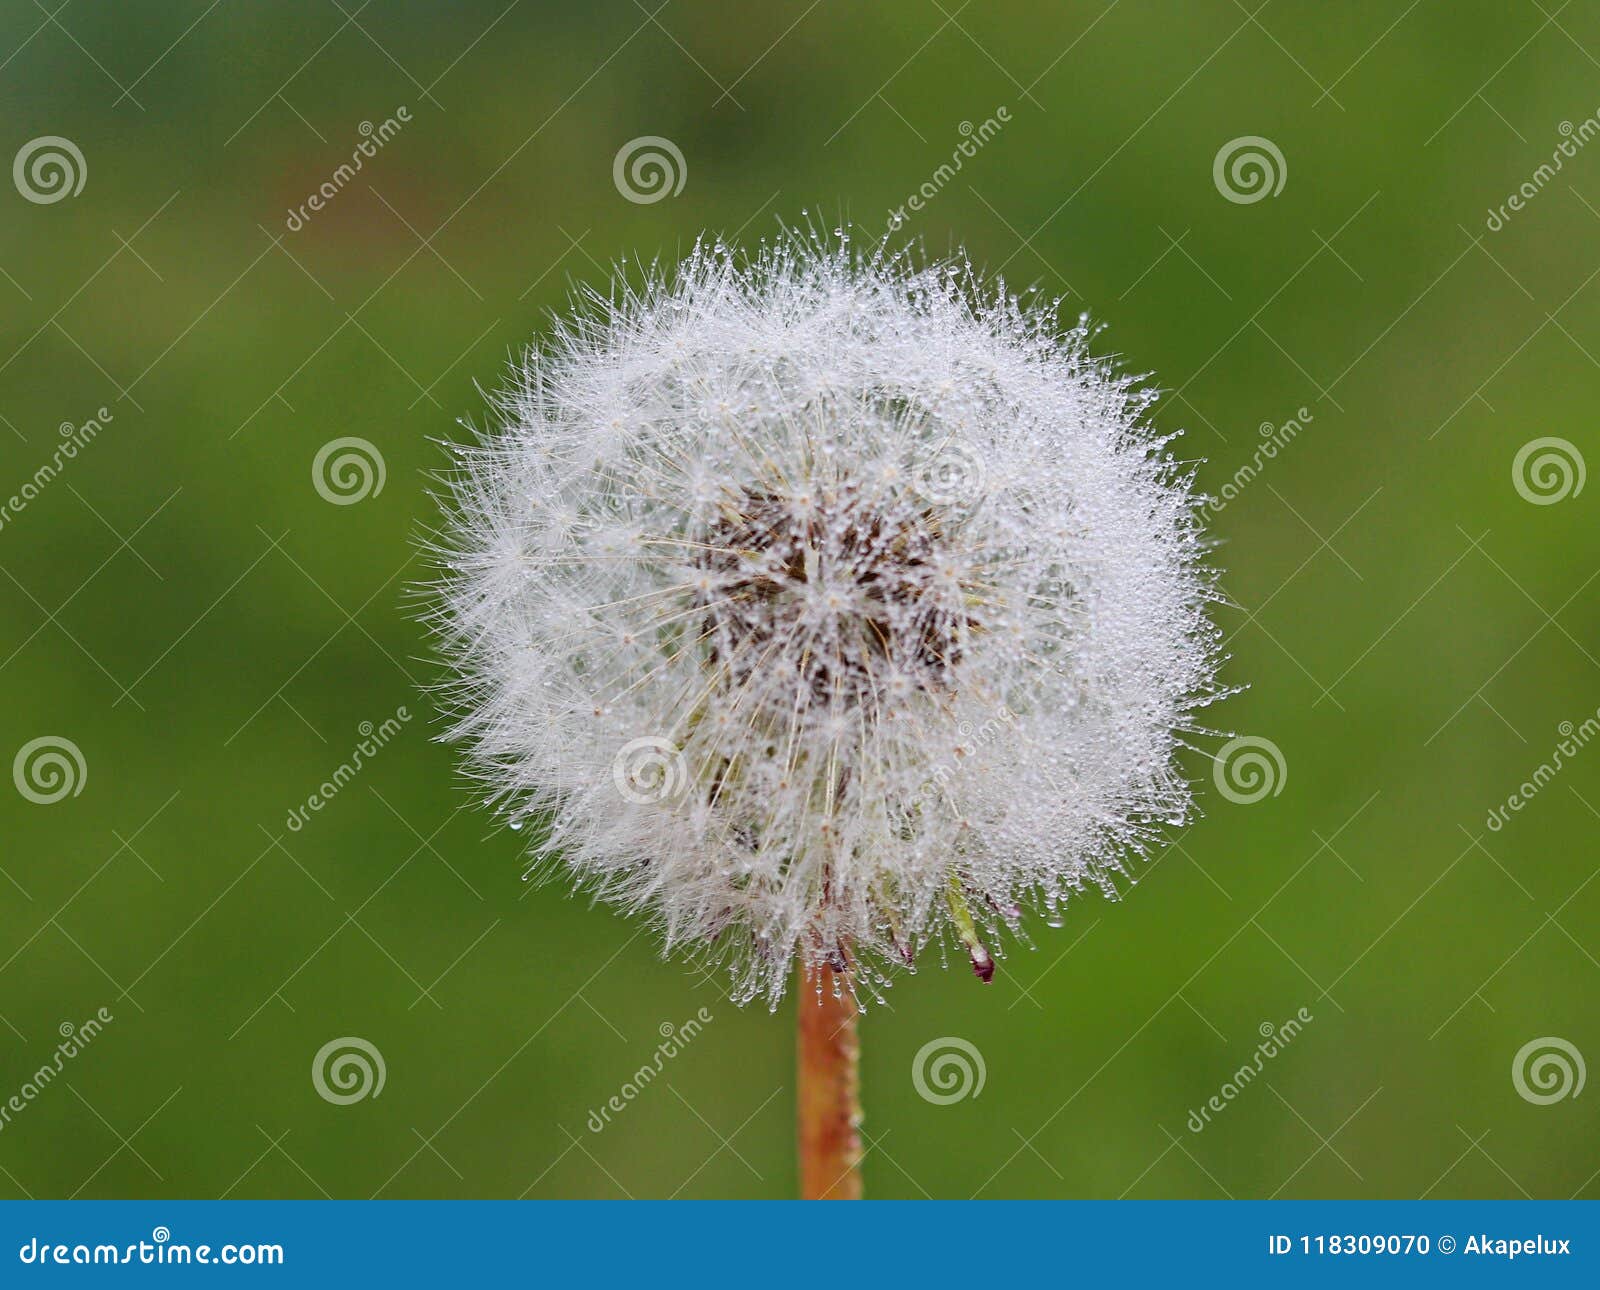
column 826, row 605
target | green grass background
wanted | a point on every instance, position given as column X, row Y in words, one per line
column 183, row 606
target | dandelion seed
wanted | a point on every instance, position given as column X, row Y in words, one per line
column 881, row 572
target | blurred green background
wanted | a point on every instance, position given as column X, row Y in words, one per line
column 181, row 604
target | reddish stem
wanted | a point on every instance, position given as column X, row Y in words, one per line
column 829, row 1097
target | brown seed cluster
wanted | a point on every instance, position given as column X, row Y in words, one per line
column 856, row 582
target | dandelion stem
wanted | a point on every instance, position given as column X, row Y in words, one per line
column 829, row 1098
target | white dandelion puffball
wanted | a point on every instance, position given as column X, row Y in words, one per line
column 827, row 607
